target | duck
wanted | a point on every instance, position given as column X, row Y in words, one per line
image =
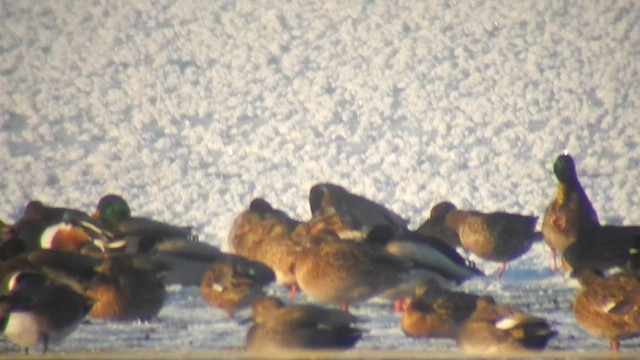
column 349, row 215
column 263, row 233
column 123, row 290
column 423, row 252
column 435, row 225
column 79, row 268
column 496, row 329
column 277, row 327
column 122, row 287
column 46, row 227
column 230, row 286
column 330, row 270
column 604, row 249
column 37, row 309
column 496, row 236
column 570, row 213
column 434, row 312
column 185, row 262
column 141, row 234
column 607, row 307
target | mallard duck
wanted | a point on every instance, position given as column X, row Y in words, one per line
column 279, row 327
column 608, row 307
column 140, row 233
column 331, row 270
column 435, row 312
column 184, row 262
column 425, row 253
column 121, row 286
column 496, row 328
column 570, row 213
column 38, row 309
column 349, row 215
column 230, row 285
column 123, row 291
column 496, row 236
column 263, row 233
column 436, row 226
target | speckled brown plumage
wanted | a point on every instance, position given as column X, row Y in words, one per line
column 331, row 270
column 122, row 291
column 262, row 233
column 496, row 236
column 496, row 328
column 436, row 313
column 608, row 307
column 230, row 285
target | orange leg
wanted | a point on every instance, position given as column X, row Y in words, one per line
column 553, row 259
column 292, row 293
column 399, row 305
column 615, row 345
column 502, row 268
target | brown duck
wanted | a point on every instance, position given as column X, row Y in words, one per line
column 571, row 213
column 496, row 236
column 230, row 285
column 279, row 327
column 349, row 215
column 497, row 329
column 608, row 307
column 262, row 233
column 434, row 312
column 436, row 226
column 124, row 291
column 331, row 270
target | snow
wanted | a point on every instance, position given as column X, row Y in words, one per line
column 191, row 109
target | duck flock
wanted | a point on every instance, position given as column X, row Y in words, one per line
column 61, row 266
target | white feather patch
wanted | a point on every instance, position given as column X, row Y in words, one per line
column 22, row 328
column 11, row 284
column 608, row 306
column 507, row 323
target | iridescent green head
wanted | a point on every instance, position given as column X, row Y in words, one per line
column 565, row 169
column 113, row 210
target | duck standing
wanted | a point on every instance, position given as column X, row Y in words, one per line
column 495, row 236
column 570, row 213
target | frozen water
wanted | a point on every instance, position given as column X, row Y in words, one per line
column 191, row 109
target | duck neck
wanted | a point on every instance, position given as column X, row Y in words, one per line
column 562, row 194
column 454, row 219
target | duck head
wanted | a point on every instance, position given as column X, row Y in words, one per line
column 112, row 210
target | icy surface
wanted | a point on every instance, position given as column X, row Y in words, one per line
column 190, row 109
